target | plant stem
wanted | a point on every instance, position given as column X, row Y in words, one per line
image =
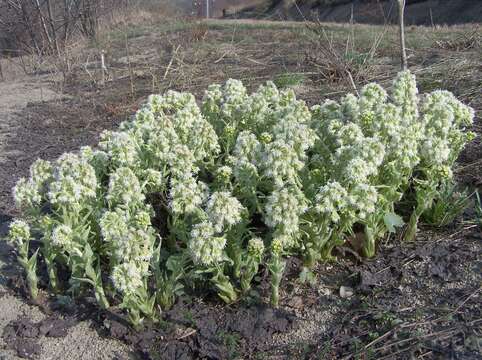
column 369, row 244
column 101, row 298
column 412, row 226
column 52, row 273
column 276, row 268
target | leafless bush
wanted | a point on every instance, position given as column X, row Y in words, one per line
column 341, row 62
column 47, row 26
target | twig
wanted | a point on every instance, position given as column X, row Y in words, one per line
column 187, row 334
column 446, row 332
column 170, row 63
column 467, row 299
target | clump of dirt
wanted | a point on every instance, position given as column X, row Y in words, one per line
column 206, row 330
column 22, row 335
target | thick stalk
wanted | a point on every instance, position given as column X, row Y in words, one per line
column 276, row 268
column 401, row 12
column 251, row 270
column 412, row 226
column 101, row 298
column 369, row 245
column 52, row 272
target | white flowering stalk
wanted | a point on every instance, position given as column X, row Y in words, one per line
column 283, row 210
column 444, row 121
column 124, row 189
column 29, row 194
column 205, row 247
column 129, row 280
column 75, row 183
column 224, row 211
column 20, row 237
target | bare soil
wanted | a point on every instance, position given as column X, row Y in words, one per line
column 418, row 300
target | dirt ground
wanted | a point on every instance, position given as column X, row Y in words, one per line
column 418, row 300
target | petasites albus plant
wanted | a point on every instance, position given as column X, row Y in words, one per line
column 183, row 197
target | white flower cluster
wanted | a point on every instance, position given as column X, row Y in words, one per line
column 284, row 208
column 62, row 236
column 75, row 181
column 186, row 195
column 204, row 246
column 28, row 194
column 124, row 189
column 256, row 248
column 223, row 210
column 19, row 232
column 127, row 278
column 331, row 200
column 444, row 121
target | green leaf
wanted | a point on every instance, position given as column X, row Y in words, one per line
column 392, row 221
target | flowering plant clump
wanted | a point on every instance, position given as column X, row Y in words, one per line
column 186, row 196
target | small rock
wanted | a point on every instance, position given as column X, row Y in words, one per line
column 346, row 292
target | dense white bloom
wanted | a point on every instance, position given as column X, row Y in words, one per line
column 246, row 174
column 234, row 94
column 205, row 248
column 127, row 278
column 62, row 236
column 224, row 173
column 74, row 182
column 186, row 195
column 297, row 134
column 331, row 200
column 349, row 108
column 221, row 166
column 121, row 147
column 224, row 210
column 124, row 188
column 405, row 96
column 283, row 209
column 444, row 120
column 247, row 147
column 363, row 198
column 281, row 162
column 211, row 102
column 129, row 238
column 19, row 232
column 41, row 172
column 181, row 161
column 371, row 96
column 26, row 194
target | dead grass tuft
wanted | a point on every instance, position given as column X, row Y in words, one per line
column 468, row 40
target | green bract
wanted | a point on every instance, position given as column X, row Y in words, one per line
column 203, row 196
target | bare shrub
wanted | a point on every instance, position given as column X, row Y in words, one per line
column 338, row 61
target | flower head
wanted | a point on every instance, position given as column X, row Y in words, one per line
column 223, row 210
column 62, row 236
column 127, row 278
column 205, row 248
column 19, row 232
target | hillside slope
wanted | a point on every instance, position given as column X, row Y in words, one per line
column 418, row 12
